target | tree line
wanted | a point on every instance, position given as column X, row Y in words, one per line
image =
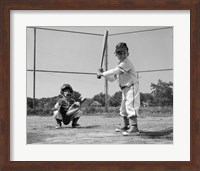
column 161, row 95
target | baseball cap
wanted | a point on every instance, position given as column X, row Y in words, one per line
column 121, row 47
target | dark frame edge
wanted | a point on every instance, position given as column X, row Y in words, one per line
column 194, row 88
column 194, row 165
column 5, row 87
column 1, row 86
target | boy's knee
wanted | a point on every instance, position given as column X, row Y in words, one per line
column 79, row 113
column 57, row 115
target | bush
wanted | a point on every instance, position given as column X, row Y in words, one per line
column 112, row 111
column 94, row 110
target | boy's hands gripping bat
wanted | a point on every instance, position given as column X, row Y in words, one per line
column 103, row 54
column 99, row 73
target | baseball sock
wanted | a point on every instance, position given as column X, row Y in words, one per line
column 126, row 121
column 133, row 121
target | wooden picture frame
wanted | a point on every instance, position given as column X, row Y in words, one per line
column 6, row 6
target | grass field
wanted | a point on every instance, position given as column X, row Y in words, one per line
column 99, row 129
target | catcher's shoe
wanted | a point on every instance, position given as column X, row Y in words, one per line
column 59, row 124
column 74, row 123
column 125, row 128
column 133, row 130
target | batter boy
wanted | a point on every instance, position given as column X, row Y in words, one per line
column 125, row 73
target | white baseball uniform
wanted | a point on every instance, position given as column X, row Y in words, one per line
column 126, row 75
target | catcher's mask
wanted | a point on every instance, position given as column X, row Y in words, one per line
column 66, row 87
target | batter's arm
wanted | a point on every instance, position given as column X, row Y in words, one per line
column 110, row 75
column 111, row 78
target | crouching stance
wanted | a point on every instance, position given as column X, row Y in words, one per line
column 67, row 109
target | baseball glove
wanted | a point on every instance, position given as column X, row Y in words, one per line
column 63, row 106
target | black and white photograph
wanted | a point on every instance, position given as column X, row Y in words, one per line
column 99, row 84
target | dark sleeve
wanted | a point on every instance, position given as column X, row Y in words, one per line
column 63, row 106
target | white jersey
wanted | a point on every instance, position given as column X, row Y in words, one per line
column 128, row 75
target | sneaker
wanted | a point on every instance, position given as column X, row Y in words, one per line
column 75, row 125
column 125, row 128
column 58, row 126
column 133, row 130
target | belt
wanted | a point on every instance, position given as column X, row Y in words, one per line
column 123, row 87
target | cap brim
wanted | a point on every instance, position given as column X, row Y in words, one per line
column 120, row 50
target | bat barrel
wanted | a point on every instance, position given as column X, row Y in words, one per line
column 104, row 47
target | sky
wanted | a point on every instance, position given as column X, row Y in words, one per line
column 73, row 52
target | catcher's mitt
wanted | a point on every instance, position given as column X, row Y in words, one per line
column 63, row 106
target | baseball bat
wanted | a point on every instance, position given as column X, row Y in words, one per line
column 105, row 37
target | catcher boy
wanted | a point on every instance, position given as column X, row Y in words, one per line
column 66, row 109
column 125, row 73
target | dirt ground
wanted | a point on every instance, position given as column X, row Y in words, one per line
column 99, row 130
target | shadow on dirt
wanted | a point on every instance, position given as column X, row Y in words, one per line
column 80, row 127
column 157, row 134
column 90, row 126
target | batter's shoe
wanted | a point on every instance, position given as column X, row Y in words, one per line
column 133, row 130
column 125, row 128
